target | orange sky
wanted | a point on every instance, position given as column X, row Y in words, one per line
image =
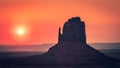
column 42, row 18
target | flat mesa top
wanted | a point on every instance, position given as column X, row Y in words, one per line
column 73, row 19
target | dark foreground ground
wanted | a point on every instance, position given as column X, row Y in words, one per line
column 55, row 66
column 115, row 53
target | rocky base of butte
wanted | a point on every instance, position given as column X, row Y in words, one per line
column 72, row 50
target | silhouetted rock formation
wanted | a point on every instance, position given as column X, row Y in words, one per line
column 73, row 49
column 73, row 30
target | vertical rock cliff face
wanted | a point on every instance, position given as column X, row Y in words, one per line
column 73, row 30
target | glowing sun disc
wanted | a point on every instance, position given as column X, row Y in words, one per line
column 20, row 31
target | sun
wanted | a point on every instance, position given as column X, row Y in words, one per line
column 20, row 31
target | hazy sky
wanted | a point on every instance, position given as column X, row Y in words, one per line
column 37, row 21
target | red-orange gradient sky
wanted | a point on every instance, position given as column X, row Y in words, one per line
column 36, row 21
